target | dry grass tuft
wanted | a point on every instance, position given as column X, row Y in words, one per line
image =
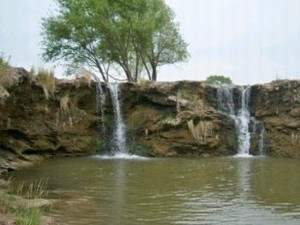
column 143, row 83
column 7, row 78
column 45, row 78
column 201, row 131
column 83, row 76
column 65, row 103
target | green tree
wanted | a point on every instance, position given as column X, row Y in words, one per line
column 158, row 38
column 218, row 80
column 132, row 36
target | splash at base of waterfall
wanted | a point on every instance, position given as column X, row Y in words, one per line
column 121, row 156
column 242, row 155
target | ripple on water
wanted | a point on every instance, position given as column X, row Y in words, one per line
column 131, row 190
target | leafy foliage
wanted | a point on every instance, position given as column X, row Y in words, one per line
column 218, row 80
column 133, row 36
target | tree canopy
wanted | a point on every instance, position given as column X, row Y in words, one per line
column 130, row 36
column 218, row 80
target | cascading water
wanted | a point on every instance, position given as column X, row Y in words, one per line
column 100, row 105
column 262, row 140
column 118, row 140
column 242, row 124
column 241, row 118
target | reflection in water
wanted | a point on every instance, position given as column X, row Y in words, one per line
column 172, row 191
column 277, row 185
column 243, row 177
column 119, row 185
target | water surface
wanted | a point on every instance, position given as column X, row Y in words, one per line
column 138, row 191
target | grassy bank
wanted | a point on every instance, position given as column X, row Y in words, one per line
column 22, row 204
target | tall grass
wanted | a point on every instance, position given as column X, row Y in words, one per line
column 28, row 216
column 23, row 214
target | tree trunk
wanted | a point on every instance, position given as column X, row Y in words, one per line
column 129, row 75
column 154, row 73
column 101, row 71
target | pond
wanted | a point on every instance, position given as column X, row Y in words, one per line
column 134, row 191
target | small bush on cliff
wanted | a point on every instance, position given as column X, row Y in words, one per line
column 45, row 78
column 218, row 80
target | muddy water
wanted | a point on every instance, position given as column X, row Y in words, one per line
column 171, row 191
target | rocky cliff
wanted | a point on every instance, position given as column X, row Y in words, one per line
column 163, row 119
column 178, row 118
column 277, row 105
column 35, row 123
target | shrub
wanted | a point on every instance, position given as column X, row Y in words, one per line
column 218, row 80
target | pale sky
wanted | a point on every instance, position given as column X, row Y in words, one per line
column 250, row 41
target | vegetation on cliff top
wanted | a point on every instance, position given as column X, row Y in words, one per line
column 218, row 80
column 136, row 37
column 7, row 78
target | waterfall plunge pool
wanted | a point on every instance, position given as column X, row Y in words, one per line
column 134, row 191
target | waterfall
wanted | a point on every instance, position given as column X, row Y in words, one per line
column 261, row 142
column 118, row 140
column 242, row 123
column 225, row 100
column 100, row 98
column 241, row 118
column 259, row 129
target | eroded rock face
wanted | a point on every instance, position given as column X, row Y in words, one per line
column 177, row 118
column 277, row 104
column 30, row 124
column 182, row 118
column 162, row 119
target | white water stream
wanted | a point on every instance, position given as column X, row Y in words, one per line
column 100, row 97
column 242, row 121
column 119, row 138
column 241, row 117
